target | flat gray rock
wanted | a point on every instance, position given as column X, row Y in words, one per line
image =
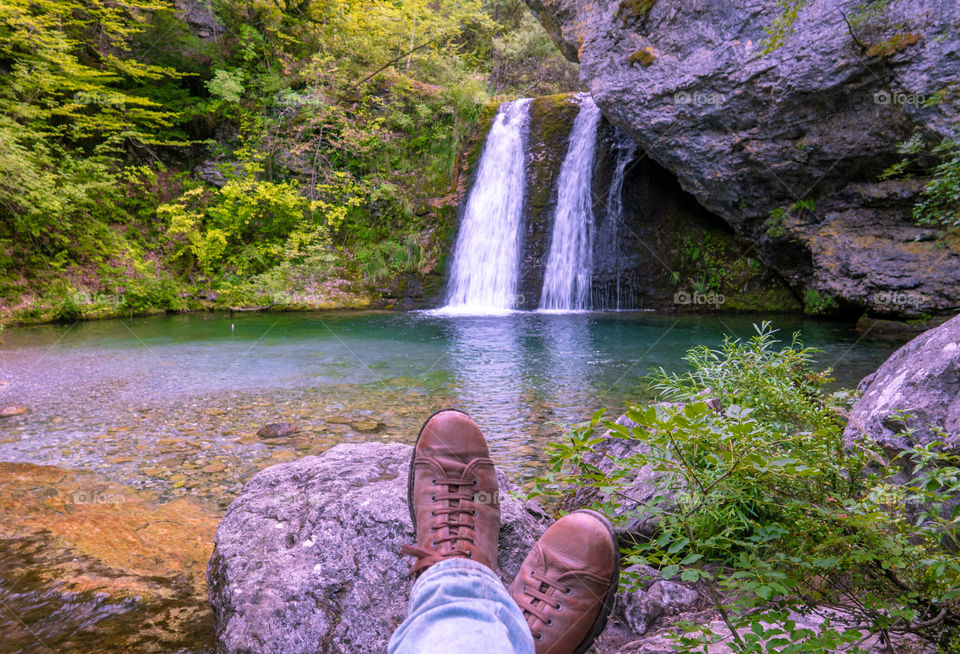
column 307, row 558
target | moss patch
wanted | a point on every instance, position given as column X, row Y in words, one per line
column 710, row 260
column 644, row 56
column 634, row 8
column 892, row 45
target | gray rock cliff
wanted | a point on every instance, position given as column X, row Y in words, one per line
column 788, row 146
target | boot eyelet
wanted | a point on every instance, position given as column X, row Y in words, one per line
column 470, row 554
column 473, row 512
column 433, row 515
column 476, row 483
column 433, row 482
column 538, row 635
column 559, row 608
column 433, row 543
column 433, row 498
column 567, row 590
column 549, row 622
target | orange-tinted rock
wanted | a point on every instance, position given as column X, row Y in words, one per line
column 93, row 565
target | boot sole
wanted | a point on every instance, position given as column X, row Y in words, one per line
column 413, row 457
column 608, row 600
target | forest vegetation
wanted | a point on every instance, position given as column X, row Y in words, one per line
column 165, row 156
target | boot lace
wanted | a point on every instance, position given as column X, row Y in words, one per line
column 536, row 599
column 458, row 512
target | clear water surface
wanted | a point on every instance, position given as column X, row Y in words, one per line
column 155, row 401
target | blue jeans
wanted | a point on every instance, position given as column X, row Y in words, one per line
column 460, row 606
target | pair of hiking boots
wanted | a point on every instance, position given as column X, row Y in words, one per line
column 567, row 582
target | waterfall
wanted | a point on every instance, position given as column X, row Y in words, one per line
column 486, row 259
column 569, row 272
column 625, row 150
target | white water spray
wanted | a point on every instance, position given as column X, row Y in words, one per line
column 485, row 267
column 569, row 272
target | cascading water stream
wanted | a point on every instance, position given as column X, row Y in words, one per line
column 568, row 276
column 625, row 150
column 486, row 259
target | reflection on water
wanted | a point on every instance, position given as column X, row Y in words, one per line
column 489, row 363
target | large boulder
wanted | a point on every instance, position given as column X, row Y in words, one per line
column 307, row 558
column 920, row 380
column 788, row 146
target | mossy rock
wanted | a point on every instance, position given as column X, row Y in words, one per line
column 712, row 260
column 634, row 8
column 551, row 119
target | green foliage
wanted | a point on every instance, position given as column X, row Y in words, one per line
column 939, row 204
column 338, row 130
column 523, row 59
column 815, row 303
column 760, row 502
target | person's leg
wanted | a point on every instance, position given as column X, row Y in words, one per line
column 460, row 606
column 560, row 599
column 458, row 603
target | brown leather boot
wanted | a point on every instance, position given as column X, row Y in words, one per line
column 568, row 581
column 453, row 493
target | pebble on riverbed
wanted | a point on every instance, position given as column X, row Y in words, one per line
column 9, row 411
column 277, row 430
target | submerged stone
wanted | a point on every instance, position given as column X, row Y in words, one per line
column 277, row 430
column 90, row 565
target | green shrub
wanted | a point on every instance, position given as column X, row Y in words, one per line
column 939, row 204
column 773, row 514
column 814, row 303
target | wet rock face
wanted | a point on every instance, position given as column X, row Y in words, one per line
column 638, row 257
column 921, row 379
column 307, row 559
column 814, row 122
